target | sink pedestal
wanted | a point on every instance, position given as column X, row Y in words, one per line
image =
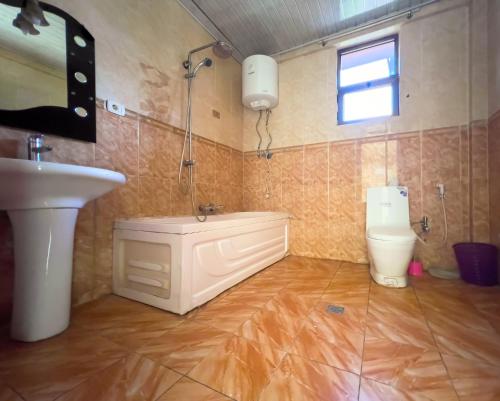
column 43, row 250
column 42, row 200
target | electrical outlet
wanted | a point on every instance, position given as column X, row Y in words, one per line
column 115, row 107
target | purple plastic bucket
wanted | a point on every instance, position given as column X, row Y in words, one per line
column 477, row 263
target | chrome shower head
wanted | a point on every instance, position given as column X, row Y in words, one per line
column 206, row 62
column 222, row 49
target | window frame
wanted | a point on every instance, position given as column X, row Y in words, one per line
column 393, row 80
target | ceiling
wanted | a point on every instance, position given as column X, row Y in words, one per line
column 273, row 26
column 48, row 49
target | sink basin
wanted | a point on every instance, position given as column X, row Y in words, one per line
column 39, row 185
column 42, row 200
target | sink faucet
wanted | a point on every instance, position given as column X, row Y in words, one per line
column 210, row 208
column 36, row 147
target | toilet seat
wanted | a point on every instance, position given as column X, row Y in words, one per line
column 397, row 234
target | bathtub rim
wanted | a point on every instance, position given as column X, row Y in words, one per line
column 161, row 224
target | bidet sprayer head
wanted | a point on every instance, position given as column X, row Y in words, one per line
column 441, row 191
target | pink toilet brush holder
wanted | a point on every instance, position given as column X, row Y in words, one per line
column 415, row 268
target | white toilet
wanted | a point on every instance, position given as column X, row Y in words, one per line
column 390, row 239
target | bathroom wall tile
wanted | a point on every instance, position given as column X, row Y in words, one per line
column 223, row 172
column 83, row 255
column 117, row 145
column 441, row 164
column 342, row 199
column 465, row 180
column 236, row 167
column 251, row 170
column 175, row 143
column 372, row 163
column 205, row 193
column 316, row 200
column 204, row 153
column 154, row 196
column 479, row 183
column 316, row 215
column 494, row 182
column 292, row 179
column 133, row 377
column 293, row 165
column 315, row 169
column 70, row 151
column 154, row 150
column 12, row 142
column 408, row 161
column 355, row 165
column 237, row 198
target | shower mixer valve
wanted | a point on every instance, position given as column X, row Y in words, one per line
column 424, row 224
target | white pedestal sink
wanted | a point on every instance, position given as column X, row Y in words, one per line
column 42, row 200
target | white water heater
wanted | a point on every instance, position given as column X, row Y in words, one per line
column 260, row 82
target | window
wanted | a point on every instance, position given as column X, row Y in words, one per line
column 368, row 81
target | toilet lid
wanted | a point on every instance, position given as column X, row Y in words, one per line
column 388, row 233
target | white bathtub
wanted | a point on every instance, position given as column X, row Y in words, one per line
column 177, row 263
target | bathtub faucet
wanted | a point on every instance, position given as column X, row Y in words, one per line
column 210, row 208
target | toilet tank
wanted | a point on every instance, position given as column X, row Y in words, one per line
column 387, row 206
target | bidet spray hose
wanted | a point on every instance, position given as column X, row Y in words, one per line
column 445, row 220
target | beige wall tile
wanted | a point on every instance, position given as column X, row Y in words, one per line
column 494, row 177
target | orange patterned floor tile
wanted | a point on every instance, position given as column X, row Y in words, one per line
column 406, row 368
column 275, row 336
column 374, row 391
column 184, row 346
column 133, row 378
column 7, row 394
column 188, row 390
column 45, row 369
column 331, row 338
column 238, row 368
column 304, row 380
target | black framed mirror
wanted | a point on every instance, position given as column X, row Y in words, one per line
column 47, row 81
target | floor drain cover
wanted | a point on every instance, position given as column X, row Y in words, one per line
column 338, row 310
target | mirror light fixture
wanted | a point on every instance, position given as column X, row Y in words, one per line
column 31, row 14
